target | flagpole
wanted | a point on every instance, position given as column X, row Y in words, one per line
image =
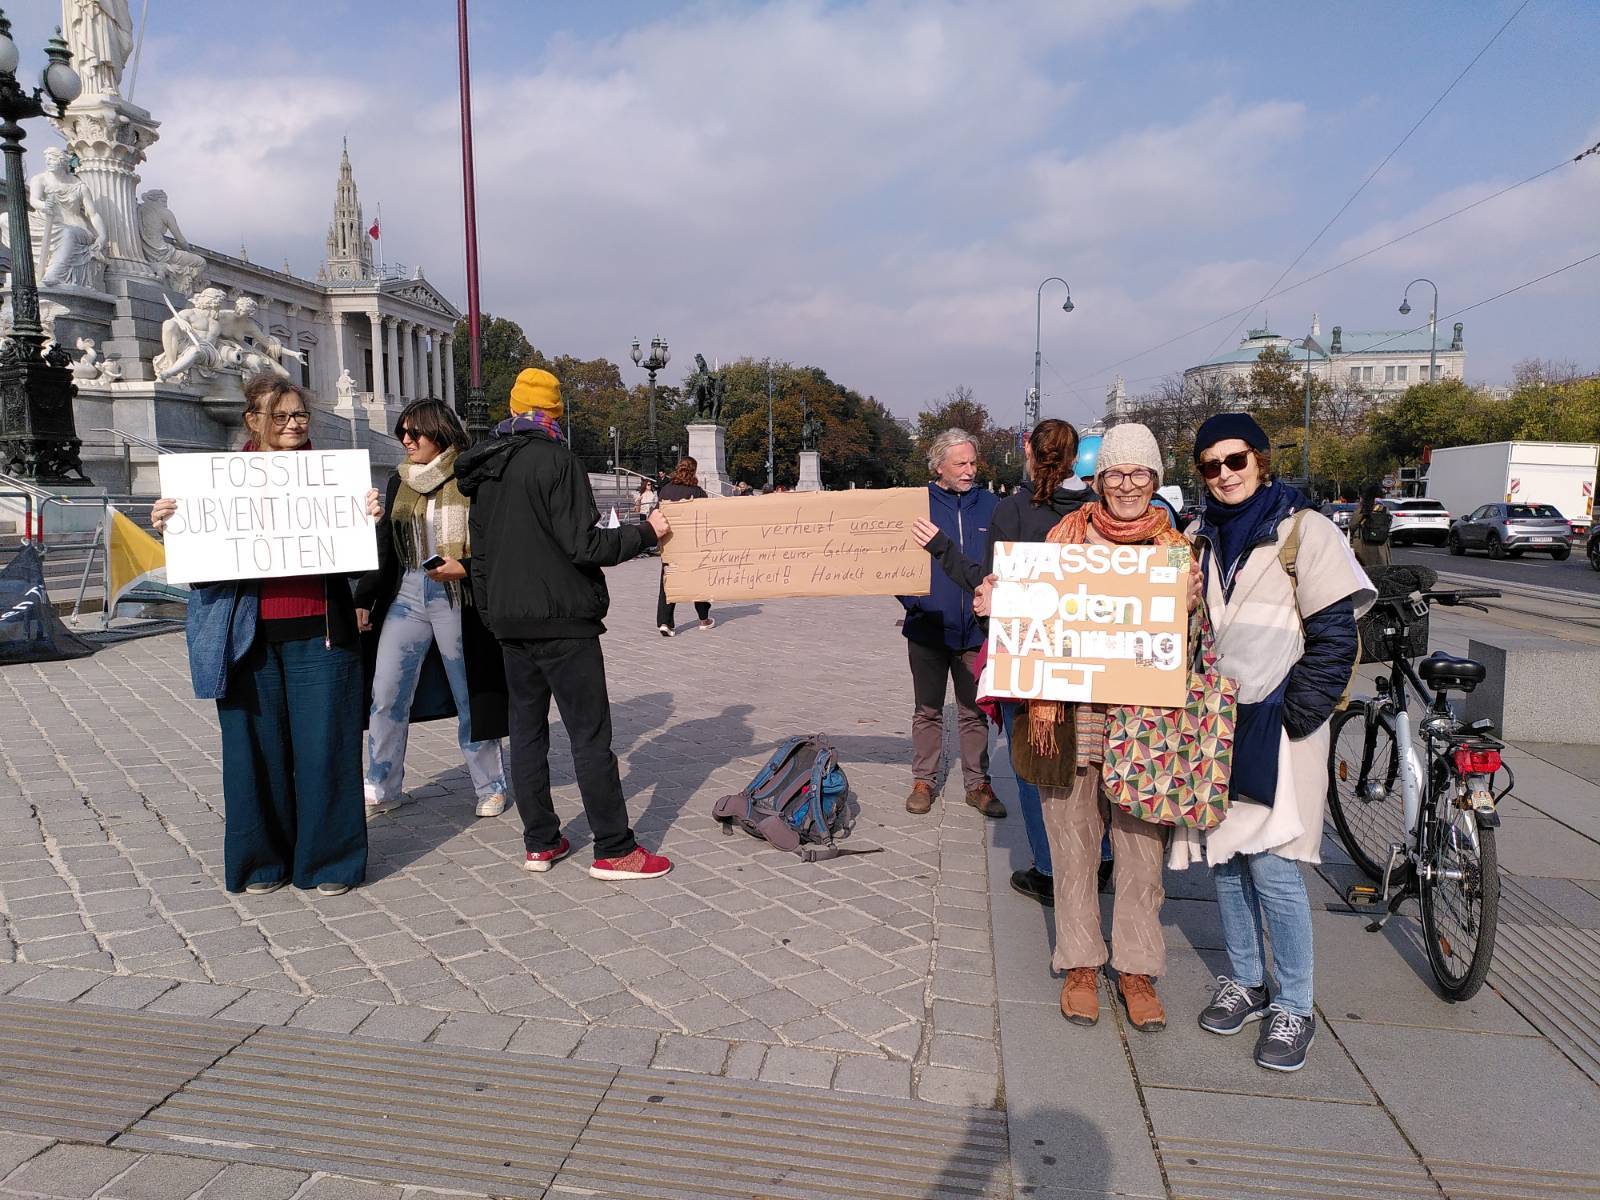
column 378, row 224
column 477, row 411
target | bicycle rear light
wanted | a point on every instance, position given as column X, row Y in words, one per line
column 1476, row 760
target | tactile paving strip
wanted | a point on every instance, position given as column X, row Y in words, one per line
column 73, row 1071
column 1549, row 970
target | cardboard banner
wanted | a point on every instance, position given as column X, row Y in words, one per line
column 1089, row 624
column 855, row 543
column 260, row 516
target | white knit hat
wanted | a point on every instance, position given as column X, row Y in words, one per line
column 1129, row 445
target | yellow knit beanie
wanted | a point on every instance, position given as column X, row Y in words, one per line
column 536, row 390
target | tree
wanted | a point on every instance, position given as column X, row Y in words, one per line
column 505, row 351
column 1175, row 411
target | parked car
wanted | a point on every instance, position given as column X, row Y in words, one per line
column 1425, row 521
column 1510, row 529
column 1340, row 512
column 1592, row 547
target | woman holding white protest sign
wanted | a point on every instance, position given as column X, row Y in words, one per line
column 279, row 656
column 1062, row 747
column 1284, row 593
column 428, row 655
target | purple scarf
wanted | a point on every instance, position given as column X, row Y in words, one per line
column 529, row 422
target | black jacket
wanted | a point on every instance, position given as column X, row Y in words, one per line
column 537, row 549
column 681, row 491
column 1016, row 519
column 434, row 701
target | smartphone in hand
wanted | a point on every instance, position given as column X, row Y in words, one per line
column 433, row 563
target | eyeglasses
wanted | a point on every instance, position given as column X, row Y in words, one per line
column 406, row 434
column 1210, row 468
column 280, row 420
column 1138, row 477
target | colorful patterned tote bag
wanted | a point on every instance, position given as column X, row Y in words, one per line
column 1170, row 766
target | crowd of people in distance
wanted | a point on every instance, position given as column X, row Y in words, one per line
column 1286, row 631
column 488, row 604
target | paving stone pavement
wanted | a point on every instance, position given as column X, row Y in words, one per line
column 870, row 974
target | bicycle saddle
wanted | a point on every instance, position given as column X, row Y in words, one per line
column 1443, row 672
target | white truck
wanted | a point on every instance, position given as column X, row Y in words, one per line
column 1558, row 473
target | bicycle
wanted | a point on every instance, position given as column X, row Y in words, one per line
column 1421, row 826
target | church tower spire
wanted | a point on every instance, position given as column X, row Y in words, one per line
column 349, row 250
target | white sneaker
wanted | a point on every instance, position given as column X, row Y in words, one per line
column 492, row 805
column 664, row 630
column 379, row 807
column 709, row 623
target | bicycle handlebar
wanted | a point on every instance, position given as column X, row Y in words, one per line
column 1454, row 597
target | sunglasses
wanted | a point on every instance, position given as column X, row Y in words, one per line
column 1210, row 468
column 406, row 433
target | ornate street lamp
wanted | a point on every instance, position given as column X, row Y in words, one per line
column 38, row 440
column 1433, row 323
column 658, row 357
column 1030, row 409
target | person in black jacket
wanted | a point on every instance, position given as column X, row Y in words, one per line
column 683, row 485
column 537, row 550
column 1028, row 514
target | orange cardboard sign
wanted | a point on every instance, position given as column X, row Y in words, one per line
column 855, row 543
column 1089, row 624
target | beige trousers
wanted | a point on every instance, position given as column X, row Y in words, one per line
column 1075, row 820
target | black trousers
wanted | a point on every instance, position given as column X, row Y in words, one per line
column 665, row 611
column 573, row 671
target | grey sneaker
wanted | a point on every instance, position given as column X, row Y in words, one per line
column 1284, row 1040
column 1233, row 1007
column 492, row 805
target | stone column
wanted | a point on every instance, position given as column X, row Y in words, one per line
column 110, row 138
column 378, row 373
column 449, row 350
column 437, row 339
column 414, row 362
column 335, row 365
column 391, row 353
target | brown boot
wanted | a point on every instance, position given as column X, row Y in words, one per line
column 985, row 801
column 1144, row 1006
column 921, row 798
column 1080, row 996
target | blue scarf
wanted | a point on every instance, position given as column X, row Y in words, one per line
column 529, row 422
column 1239, row 526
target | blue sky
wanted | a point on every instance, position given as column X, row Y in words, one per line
column 877, row 188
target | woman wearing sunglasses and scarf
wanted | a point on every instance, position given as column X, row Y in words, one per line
column 1283, row 592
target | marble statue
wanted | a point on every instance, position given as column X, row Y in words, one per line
column 92, row 367
column 709, row 390
column 49, row 310
column 345, row 389
column 100, row 36
column 179, row 266
column 71, row 232
column 192, row 339
column 810, row 428
column 259, row 350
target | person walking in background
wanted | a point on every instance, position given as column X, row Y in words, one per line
column 1028, row 514
column 683, row 485
column 537, row 550
column 943, row 635
column 1287, row 633
column 1369, row 529
column 647, row 499
column 280, row 658
column 1062, row 748
column 426, row 652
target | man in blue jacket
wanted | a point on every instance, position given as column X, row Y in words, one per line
column 943, row 635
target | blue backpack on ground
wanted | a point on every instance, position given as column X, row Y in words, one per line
column 798, row 802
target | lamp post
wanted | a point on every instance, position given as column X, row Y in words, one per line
column 1433, row 323
column 38, row 440
column 658, row 357
column 1306, row 465
column 1030, row 408
column 769, row 425
column 477, row 414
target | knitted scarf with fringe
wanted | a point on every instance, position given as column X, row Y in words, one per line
column 447, row 533
column 1152, row 527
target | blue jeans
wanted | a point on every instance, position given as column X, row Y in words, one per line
column 420, row 616
column 291, row 766
column 1257, row 892
column 1028, row 801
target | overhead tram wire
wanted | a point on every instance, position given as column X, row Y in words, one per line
column 1375, row 170
column 1368, row 253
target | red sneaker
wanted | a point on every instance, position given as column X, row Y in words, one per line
column 543, row 860
column 639, row 863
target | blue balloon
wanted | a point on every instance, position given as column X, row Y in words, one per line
column 1088, row 455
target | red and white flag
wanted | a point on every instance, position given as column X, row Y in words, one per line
column 373, row 232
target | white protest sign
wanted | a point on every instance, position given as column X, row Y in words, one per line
column 1089, row 624
column 259, row 516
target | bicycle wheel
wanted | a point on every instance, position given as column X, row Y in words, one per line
column 1459, row 916
column 1364, row 790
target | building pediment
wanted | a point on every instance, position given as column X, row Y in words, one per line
column 423, row 294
